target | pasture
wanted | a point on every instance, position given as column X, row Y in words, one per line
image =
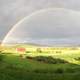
column 65, row 64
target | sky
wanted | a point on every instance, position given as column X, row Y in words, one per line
column 12, row 11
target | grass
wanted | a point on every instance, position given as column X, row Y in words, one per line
column 13, row 67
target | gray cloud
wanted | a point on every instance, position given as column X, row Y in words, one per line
column 11, row 11
column 50, row 26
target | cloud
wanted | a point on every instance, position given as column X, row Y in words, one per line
column 11, row 11
column 50, row 26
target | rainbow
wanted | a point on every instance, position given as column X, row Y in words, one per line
column 28, row 17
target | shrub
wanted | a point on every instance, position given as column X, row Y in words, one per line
column 48, row 59
column 39, row 50
column 29, row 57
column 28, row 51
column 40, row 58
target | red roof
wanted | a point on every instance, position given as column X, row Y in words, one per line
column 21, row 49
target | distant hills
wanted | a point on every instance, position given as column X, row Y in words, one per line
column 42, row 45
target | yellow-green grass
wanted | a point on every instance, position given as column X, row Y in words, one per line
column 67, row 53
column 14, row 67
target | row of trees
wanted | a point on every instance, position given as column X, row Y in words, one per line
column 39, row 50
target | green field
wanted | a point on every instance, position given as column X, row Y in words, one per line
column 63, row 66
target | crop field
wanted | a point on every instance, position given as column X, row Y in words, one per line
column 26, row 62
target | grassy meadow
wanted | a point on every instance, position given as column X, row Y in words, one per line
column 39, row 63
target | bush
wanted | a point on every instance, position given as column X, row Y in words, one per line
column 28, row 51
column 39, row 50
column 48, row 59
column 28, row 57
